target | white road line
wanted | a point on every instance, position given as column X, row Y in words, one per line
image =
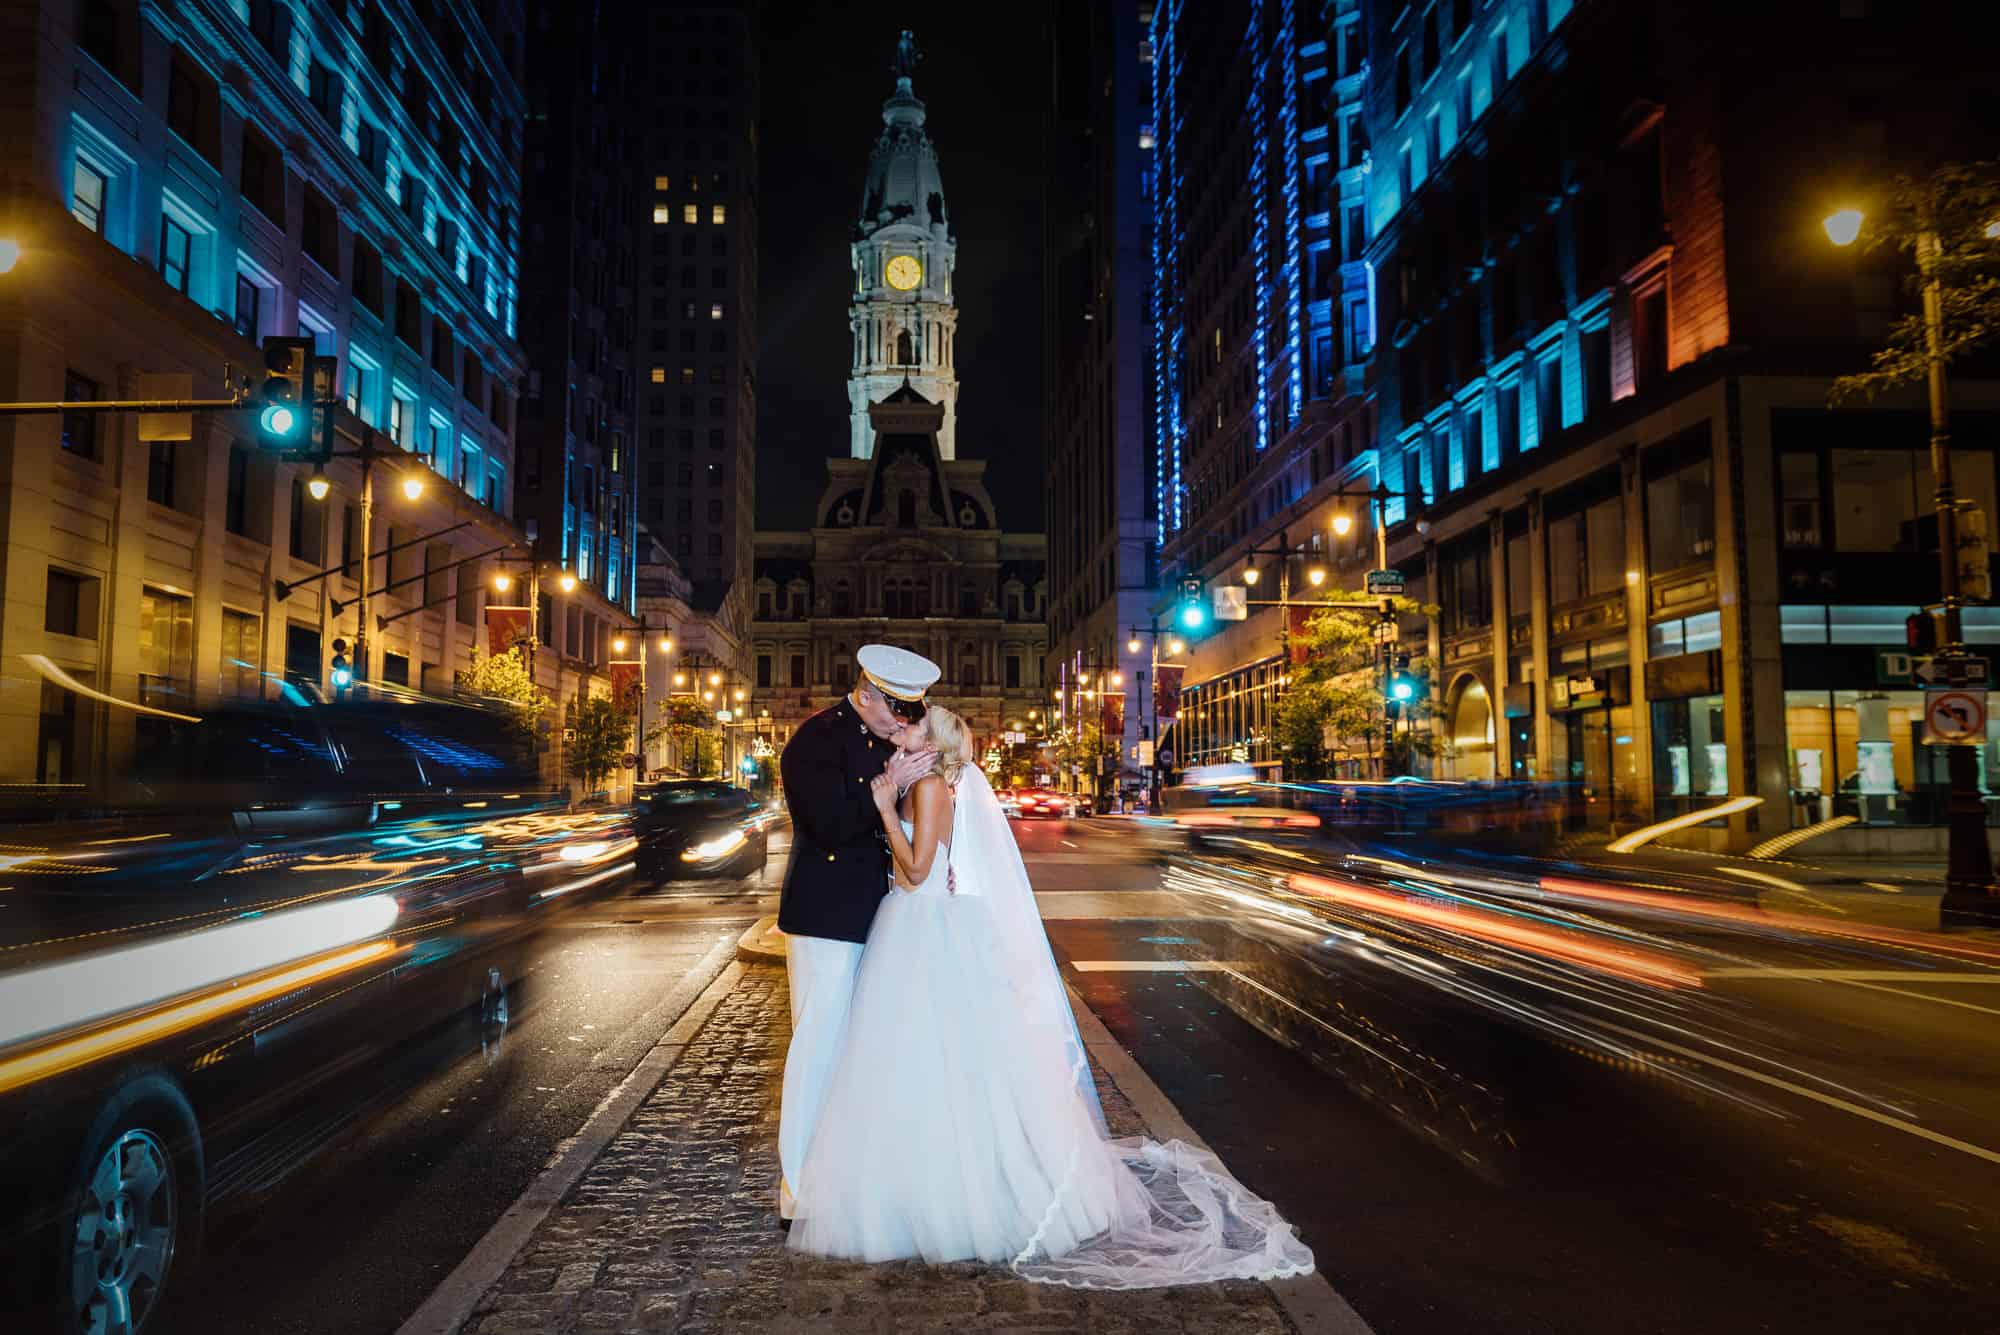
column 1067, row 844
column 1856, row 975
column 1831, row 1101
column 1924, row 996
column 1149, row 966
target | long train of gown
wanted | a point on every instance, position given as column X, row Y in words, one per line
column 954, row 1129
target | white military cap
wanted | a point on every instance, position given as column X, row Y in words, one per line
column 897, row 673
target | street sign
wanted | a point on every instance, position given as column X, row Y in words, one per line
column 1385, row 583
column 630, row 761
column 1954, row 716
column 1892, row 667
column 1956, row 670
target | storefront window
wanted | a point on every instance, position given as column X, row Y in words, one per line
column 1861, row 754
column 1885, row 500
column 1690, row 757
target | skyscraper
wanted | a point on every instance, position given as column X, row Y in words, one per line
column 697, row 278
column 579, row 309
column 1097, row 341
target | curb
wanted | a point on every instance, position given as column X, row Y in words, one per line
column 1308, row 1300
column 452, row 1303
column 763, row 943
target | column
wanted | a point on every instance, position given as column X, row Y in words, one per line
column 1538, row 635
column 1503, row 736
column 1638, row 608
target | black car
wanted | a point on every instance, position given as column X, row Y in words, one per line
column 698, row 827
column 206, row 957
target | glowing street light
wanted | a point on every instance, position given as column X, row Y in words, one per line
column 317, row 486
column 1117, row 679
column 1132, row 645
column 1842, row 226
column 1343, row 525
column 413, row 486
column 680, row 679
column 739, row 695
column 618, row 645
column 1316, row 576
column 666, row 645
column 708, row 696
column 503, row 582
column 566, row 582
column 1250, row 576
column 1176, row 647
column 715, row 679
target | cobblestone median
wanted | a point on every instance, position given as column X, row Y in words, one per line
column 672, row 1229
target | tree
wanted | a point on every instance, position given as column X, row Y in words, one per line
column 692, row 724
column 1336, row 696
column 504, row 677
column 1959, row 206
column 600, row 734
column 1085, row 746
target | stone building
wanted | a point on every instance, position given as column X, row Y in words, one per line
column 905, row 550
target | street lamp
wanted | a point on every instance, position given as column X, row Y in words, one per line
column 1343, row 524
column 1132, row 645
column 317, row 485
column 413, row 486
column 566, row 582
column 1316, row 576
column 618, row 645
column 1250, row 576
column 502, row 582
column 1968, row 861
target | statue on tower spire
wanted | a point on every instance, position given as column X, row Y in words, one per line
column 907, row 55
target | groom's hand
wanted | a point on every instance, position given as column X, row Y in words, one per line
column 906, row 767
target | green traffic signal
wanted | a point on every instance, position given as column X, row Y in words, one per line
column 281, row 421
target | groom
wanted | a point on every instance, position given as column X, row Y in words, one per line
column 839, row 870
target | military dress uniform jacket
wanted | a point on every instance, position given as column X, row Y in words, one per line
column 839, row 868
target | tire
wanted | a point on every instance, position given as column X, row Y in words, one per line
column 136, row 1192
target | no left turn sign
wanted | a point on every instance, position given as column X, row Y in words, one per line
column 1954, row 716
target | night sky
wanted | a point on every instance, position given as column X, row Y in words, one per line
column 984, row 85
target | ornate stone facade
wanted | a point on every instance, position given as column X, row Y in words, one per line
column 906, row 550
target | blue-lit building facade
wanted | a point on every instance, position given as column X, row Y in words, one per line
column 183, row 181
column 1602, row 324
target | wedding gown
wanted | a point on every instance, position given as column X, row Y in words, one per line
column 962, row 1124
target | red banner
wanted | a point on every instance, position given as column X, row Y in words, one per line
column 1111, row 717
column 505, row 626
column 1297, row 631
column 1167, row 692
column 625, row 684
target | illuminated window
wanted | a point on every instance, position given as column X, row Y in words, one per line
column 662, row 213
column 715, row 311
column 687, row 375
column 690, row 213
column 659, row 375
column 660, row 183
column 718, row 213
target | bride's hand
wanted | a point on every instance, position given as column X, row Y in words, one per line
column 883, row 790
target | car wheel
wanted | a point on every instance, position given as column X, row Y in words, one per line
column 133, row 1209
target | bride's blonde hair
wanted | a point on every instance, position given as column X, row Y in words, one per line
column 947, row 734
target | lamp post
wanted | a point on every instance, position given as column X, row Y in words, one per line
column 1175, row 647
column 1968, row 859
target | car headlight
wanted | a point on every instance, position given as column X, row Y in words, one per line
column 720, row 846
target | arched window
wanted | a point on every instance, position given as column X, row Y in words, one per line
column 906, row 352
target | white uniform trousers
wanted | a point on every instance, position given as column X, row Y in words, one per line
column 821, row 973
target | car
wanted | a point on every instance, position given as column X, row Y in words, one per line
column 213, row 953
column 1082, row 804
column 1042, row 802
column 699, row 827
column 1010, row 802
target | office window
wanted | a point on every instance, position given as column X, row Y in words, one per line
column 690, row 213
column 659, row 375
column 90, row 191
column 1680, row 515
column 715, row 311
column 79, row 430
column 248, row 298
column 160, row 473
column 718, row 213
column 236, row 510
column 175, row 254
column 166, row 648
column 403, row 420
column 71, row 606
column 662, row 183
column 663, row 213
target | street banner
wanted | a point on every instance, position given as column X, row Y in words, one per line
column 1111, row 717
column 1167, row 692
column 1298, row 627
column 504, row 626
column 625, row 684
column 1232, row 602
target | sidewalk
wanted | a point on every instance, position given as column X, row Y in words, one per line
column 672, row 1229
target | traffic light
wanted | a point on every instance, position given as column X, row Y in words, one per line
column 1190, row 614
column 283, row 420
column 1401, row 688
column 340, row 670
column 1920, row 632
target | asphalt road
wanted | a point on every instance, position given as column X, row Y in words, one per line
column 363, row 1231
column 1820, row 1157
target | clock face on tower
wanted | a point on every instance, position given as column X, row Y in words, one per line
column 903, row 272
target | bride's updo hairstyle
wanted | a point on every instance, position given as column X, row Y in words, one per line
column 954, row 748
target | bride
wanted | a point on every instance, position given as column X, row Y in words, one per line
column 961, row 1122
